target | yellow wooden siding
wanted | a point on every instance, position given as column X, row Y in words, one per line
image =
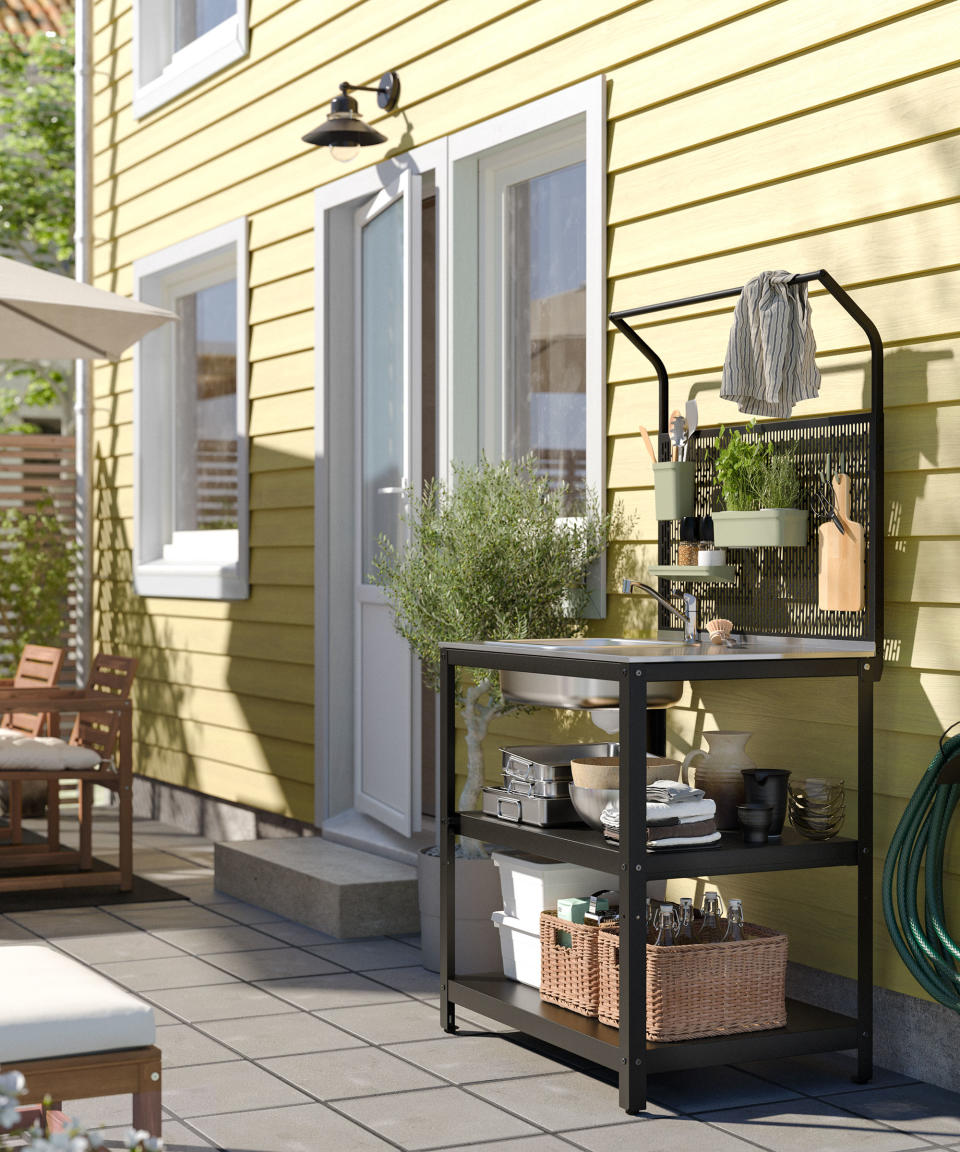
column 791, row 133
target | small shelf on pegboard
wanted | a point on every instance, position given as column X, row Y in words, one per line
column 696, row 573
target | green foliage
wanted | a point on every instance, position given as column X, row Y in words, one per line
column 491, row 557
column 39, row 564
column 753, row 476
column 36, row 188
column 36, row 149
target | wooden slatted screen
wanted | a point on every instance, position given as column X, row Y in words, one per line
column 32, row 469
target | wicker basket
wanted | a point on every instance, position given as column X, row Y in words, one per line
column 702, row 989
column 569, row 974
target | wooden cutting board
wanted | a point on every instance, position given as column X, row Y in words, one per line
column 841, row 556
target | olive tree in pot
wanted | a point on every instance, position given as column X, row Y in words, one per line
column 493, row 555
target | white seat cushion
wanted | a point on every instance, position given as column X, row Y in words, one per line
column 45, row 753
column 55, row 1006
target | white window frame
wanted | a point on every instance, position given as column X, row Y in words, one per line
column 205, row 565
column 159, row 73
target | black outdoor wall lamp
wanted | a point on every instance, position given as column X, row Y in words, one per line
column 343, row 130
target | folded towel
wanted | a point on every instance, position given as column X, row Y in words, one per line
column 770, row 363
column 694, row 831
column 672, row 792
column 663, row 815
column 693, row 842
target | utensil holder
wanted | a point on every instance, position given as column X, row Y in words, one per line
column 702, row 989
column 673, row 488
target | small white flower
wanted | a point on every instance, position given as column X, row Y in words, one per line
column 154, row 1144
column 13, row 1083
column 94, row 1139
column 135, row 1137
column 9, row 1116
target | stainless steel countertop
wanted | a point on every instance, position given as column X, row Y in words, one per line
column 669, row 648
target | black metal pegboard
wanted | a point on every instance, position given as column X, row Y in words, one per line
column 786, row 577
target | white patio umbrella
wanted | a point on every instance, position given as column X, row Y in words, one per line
column 51, row 317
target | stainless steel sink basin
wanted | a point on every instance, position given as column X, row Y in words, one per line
column 581, row 691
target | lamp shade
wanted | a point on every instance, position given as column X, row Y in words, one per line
column 343, row 129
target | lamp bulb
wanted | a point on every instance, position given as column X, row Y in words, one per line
column 344, row 152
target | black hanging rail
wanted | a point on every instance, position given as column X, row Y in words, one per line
column 876, row 503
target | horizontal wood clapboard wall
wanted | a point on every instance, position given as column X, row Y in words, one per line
column 791, row 133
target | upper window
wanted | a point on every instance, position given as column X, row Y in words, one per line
column 190, row 421
column 178, row 43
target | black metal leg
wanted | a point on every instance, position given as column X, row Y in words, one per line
column 448, row 821
column 657, row 731
column 865, row 875
column 633, row 891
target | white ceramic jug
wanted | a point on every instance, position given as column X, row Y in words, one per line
column 718, row 773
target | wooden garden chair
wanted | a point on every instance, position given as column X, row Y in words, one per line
column 39, row 667
column 103, row 725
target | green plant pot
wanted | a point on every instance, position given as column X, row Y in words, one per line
column 673, row 489
column 766, row 528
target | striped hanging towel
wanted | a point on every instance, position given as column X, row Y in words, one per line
column 770, row 363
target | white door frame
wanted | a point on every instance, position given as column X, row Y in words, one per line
column 334, row 456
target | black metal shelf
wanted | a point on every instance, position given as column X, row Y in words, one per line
column 808, row 1029
column 584, row 846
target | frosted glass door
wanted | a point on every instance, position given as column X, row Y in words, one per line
column 387, row 743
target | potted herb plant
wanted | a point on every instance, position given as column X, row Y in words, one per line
column 493, row 555
column 761, row 491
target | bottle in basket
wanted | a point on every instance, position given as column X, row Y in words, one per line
column 651, row 921
column 685, row 931
column 734, row 921
column 710, row 930
column 665, row 926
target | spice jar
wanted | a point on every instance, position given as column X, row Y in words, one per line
column 689, row 541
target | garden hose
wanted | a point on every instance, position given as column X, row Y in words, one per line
column 920, row 935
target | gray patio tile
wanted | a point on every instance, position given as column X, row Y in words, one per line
column 433, row 1118
column 157, row 866
column 414, row 981
column 286, row 1035
column 148, row 975
column 295, row 1129
column 161, row 1018
column 236, row 1086
column 176, row 1138
column 246, row 913
column 664, row 1134
column 692, row 1091
column 205, row 941
column 183, row 1045
column 388, row 1023
column 474, row 1058
column 822, row 1074
column 524, row 1144
column 920, row 1109
column 220, row 1003
column 359, row 1072
column 13, row 933
column 559, row 1101
column 292, row 933
column 805, row 1124
column 363, row 955
column 273, row 963
column 473, row 1021
column 201, row 890
column 116, row 946
column 68, row 922
column 183, row 915
column 321, row 992
column 100, row 1111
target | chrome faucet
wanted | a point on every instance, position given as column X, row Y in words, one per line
column 688, row 615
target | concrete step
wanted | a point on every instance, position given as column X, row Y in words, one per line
column 327, row 886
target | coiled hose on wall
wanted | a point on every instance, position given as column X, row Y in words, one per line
column 921, row 936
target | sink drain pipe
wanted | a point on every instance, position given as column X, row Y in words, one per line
column 920, row 935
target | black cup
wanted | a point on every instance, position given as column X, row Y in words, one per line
column 755, row 821
column 768, row 786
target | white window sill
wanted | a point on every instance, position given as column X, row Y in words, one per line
column 194, row 581
column 217, row 49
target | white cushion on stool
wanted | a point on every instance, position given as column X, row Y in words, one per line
column 51, row 1005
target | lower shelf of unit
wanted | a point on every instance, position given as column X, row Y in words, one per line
column 808, row 1029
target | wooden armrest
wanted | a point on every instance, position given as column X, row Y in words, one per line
column 6, row 681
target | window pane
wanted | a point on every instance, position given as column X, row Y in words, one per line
column 545, row 323
column 382, row 415
column 205, row 476
column 192, row 18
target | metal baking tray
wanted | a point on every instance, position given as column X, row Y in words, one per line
column 517, row 786
column 540, row 810
column 550, row 761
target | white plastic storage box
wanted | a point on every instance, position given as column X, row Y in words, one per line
column 531, row 885
column 520, row 949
